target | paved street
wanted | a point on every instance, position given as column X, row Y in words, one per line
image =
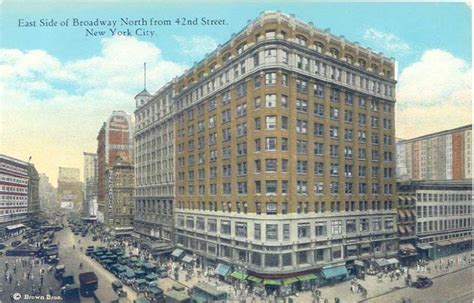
column 68, row 256
column 73, row 257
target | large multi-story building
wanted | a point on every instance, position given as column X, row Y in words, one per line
column 154, row 167
column 114, row 140
column 120, row 203
column 90, row 184
column 443, row 215
column 69, row 194
column 444, row 155
column 47, row 193
column 284, row 151
column 19, row 196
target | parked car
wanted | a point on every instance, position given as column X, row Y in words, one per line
column 16, row 243
column 423, row 282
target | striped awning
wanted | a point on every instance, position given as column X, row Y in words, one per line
column 408, row 227
column 401, row 229
column 401, row 213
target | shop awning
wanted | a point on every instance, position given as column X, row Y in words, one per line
column 359, row 263
column 177, row 253
column 382, row 262
column 407, row 247
column 443, row 243
column 401, row 198
column 409, row 230
column 401, row 213
column 276, row 282
column 352, row 247
column 424, row 246
column 222, row 270
column 307, row 277
column 401, row 229
column 187, row 259
column 413, row 198
column 333, row 272
column 408, row 213
column 457, row 240
column 238, row 275
column 392, row 261
column 15, row 226
column 254, row 279
column 413, row 213
column 468, row 239
column 290, row 281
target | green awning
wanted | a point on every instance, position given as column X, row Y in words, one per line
column 307, row 277
column 276, row 282
column 238, row 275
column 254, row 279
column 290, row 281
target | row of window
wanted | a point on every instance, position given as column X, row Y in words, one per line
column 440, row 225
column 443, row 210
column 271, row 208
column 272, row 166
column 277, row 232
column 443, row 197
column 278, row 260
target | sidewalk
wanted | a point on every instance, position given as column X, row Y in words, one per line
column 375, row 288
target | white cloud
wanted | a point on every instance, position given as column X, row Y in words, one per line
column 386, row 41
column 53, row 110
column 196, row 46
column 434, row 94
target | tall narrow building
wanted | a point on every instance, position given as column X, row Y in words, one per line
column 284, row 151
column 90, row 184
column 114, row 139
column 69, row 189
column 154, row 169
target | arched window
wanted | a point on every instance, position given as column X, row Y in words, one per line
column 212, row 67
column 375, row 68
column 349, row 59
column 301, row 40
column 242, row 46
column 319, row 47
column 226, row 57
column 362, row 63
column 334, row 52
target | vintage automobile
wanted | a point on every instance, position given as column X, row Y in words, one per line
column 422, row 282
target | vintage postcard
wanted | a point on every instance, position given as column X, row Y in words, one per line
column 235, row 151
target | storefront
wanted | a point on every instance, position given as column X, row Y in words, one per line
column 407, row 254
column 452, row 246
column 222, row 271
column 177, row 254
column 335, row 274
column 425, row 250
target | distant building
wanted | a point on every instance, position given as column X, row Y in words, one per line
column 47, row 192
column 19, row 196
column 119, row 206
column 90, row 184
column 115, row 138
column 444, row 155
column 443, row 216
column 69, row 188
column 33, row 192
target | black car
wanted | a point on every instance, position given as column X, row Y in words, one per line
column 423, row 282
column 16, row 243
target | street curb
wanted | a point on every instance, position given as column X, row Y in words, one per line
column 394, row 290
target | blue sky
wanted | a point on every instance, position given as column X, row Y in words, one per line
column 421, row 25
column 58, row 86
